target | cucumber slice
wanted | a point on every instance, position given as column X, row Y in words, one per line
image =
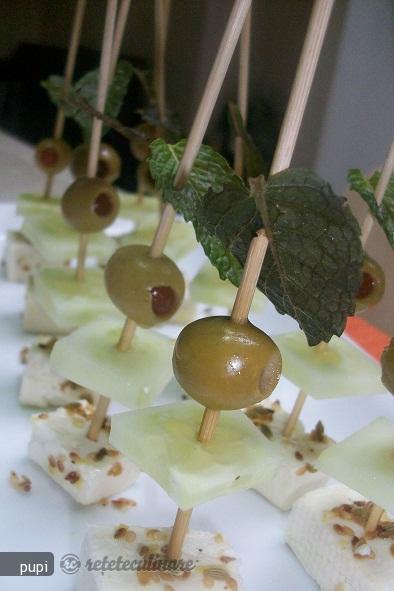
column 71, row 303
column 209, row 289
column 181, row 241
column 133, row 378
column 57, row 243
column 341, row 370
column 28, row 204
column 142, row 212
column 365, row 462
column 162, row 441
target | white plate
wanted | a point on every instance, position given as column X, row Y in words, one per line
column 46, row 519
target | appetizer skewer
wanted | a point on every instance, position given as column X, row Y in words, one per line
column 187, row 364
column 104, row 80
column 317, row 28
column 89, row 205
column 224, row 380
column 261, row 381
column 45, row 238
column 87, row 470
column 53, row 155
column 161, row 303
column 322, row 350
column 364, row 463
column 148, row 288
column 355, row 532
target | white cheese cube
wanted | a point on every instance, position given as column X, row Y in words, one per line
column 325, row 532
column 36, row 320
column 295, row 472
column 208, row 561
column 20, row 258
column 88, row 470
column 40, row 386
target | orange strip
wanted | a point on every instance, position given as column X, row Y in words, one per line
column 367, row 336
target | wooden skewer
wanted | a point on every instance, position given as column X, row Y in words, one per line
column 105, row 65
column 126, row 335
column 163, row 230
column 70, row 63
column 295, row 413
column 203, row 115
column 82, row 250
column 245, row 292
column 374, row 517
column 379, row 193
column 48, row 185
column 178, row 534
column 104, row 80
column 98, row 418
column 120, row 27
column 162, row 11
column 208, row 425
column 243, row 91
column 113, row 35
column 316, row 32
column 68, row 76
column 162, row 15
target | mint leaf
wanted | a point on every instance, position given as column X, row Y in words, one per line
column 54, row 87
column 210, row 172
column 253, row 159
column 384, row 213
column 86, row 88
column 312, row 268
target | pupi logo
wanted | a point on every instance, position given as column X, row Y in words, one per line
column 70, row 564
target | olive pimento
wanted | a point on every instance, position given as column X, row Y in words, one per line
column 52, row 155
column 145, row 289
column 372, row 285
column 90, row 205
column 225, row 365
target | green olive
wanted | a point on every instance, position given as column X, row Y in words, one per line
column 52, row 155
column 372, row 285
column 225, row 365
column 147, row 290
column 90, row 205
column 108, row 165
column 387, row 361
column 140, row 146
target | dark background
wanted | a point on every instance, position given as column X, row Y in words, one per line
column 349, row 121
column 34, row 36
